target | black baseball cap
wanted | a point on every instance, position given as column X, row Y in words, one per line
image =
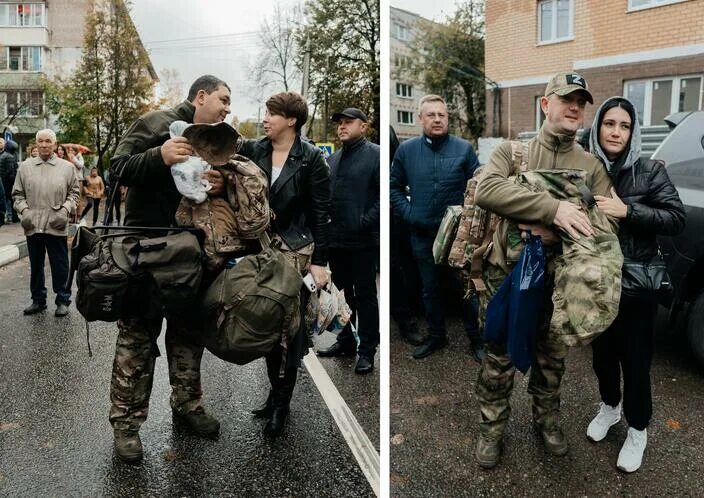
column 350, row 112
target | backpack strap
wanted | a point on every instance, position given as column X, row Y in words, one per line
column 519, row 157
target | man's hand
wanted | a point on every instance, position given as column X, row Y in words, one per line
column 573, row 220
column 612, row 206
column 176, row 150
column 216, row 181
column 320, row 275
column 548, row 236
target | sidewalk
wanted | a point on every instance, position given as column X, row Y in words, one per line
column 13, row 244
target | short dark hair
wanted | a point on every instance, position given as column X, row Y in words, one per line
column 208, row 83
column 289, row 105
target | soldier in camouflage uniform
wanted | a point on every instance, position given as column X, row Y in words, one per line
column 142, row 162
column 565, row 98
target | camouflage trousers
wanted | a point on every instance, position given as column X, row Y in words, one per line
column 496, row 374
column 133, row 370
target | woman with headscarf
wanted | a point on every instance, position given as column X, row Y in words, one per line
column 299, row 195
column 646, row 204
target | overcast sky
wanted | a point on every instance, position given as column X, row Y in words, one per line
column 435, row 10
column 206, row 37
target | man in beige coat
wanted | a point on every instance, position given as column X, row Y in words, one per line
column 45, row 192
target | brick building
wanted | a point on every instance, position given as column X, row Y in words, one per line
column 38, row 39
column 651, row 51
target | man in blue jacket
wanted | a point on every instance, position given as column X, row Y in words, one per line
column 354, row 235
column 430, row 173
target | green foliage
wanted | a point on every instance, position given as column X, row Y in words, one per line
column 342, row 38
column 451, row 62
column 111, row 86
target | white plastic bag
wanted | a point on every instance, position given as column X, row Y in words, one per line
column 188, row 175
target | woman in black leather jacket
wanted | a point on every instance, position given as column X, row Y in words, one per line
column 299, row 182
column 646, row 204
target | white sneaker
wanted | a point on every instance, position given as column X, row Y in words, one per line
column 631, row 455
column 600, row 425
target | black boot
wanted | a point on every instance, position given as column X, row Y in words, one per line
column 265, row 410
column 282, row 391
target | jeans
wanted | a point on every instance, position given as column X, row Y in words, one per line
column 95, row 205
column 56, row 247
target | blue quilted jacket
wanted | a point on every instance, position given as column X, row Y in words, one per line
column 435, row 173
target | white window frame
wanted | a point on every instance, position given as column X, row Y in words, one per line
column 411, row 114
column 674, row 98
column 23, row 50
column 404, row 90
column 652, row 4
column 5, row 23
column 553, row 27
column 401, row 32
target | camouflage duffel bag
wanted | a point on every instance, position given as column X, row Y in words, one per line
column 588, row 272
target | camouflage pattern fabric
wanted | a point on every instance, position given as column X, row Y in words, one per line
column 495, row 381
column 588, row 273
column 446, row 234
column 133, row 370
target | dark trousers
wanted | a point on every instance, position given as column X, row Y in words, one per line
column 95, row 205
column 56, row 247
column 3, row 203
column 354, row 270
column 436, row 281
column 404, row 280
column 627, row 346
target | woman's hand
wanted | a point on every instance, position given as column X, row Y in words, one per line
column 612, row 206
column 320, row 275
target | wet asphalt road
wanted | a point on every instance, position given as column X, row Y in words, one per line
column 434, row 429
column 55, row 439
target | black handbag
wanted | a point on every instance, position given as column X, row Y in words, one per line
column 639, row 277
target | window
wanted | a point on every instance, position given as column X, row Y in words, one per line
column 400, row 32
column 539, row 115
column 405, row 117
column 648, row 4
column 656, row 99
column 555, row 20
column 403, row 90
column 24, row 103
column 22, row 14
column 402, row 60
column 20, row 58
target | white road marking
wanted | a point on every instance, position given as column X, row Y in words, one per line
column 358, row 441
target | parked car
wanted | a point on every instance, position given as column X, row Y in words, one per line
column 683, row 153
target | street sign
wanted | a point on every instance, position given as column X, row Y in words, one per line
column 328, row 149
column 8, row 135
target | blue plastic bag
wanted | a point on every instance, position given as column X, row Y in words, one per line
column 514, row 313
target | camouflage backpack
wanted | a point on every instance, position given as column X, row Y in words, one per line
column 476, row 225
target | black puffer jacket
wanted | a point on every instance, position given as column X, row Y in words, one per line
column 654, row 208
column 300, row 197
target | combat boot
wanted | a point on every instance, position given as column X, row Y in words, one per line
column 199, row 422
column 128, row 446
column 265, row 410
column 488, row 452
column 553, row 440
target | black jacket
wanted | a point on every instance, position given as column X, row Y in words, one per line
column 300, row 197
column 654, row 208
column 152, row 197
column 8, row 164
column 354, row 204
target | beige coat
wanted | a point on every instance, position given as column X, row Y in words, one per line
column 44, row 194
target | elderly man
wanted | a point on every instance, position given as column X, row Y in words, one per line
column 354, row 235
column 44, row 193
column 435, row 168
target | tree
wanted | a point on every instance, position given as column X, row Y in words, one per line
column 341, row 39
column 111, row 86
column 451, row 63
column 171, row 91
column 275, row 63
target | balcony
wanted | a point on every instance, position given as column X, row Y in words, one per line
column 25, row 36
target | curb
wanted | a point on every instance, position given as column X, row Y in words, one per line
column 12, row 252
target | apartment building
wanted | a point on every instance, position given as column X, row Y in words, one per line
column 651, row 51
column 406, row 90
column 40, row 39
